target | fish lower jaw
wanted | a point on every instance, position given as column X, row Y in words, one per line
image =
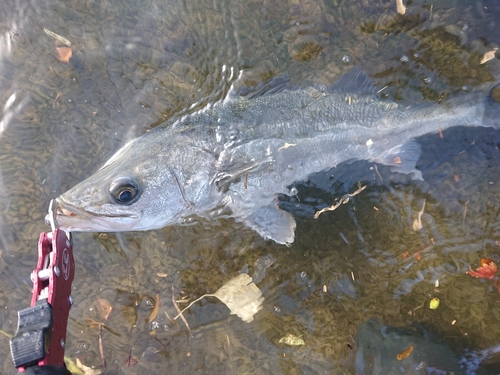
column 96, row 224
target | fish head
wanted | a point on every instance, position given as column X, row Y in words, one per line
column 137, row 189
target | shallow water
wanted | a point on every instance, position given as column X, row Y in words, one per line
column 136, row 63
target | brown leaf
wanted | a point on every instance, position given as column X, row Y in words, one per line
column 131, row 359
column 63, row 53
column 103, row 308
column 487, row 270
column 405, row 353
column 397, row 160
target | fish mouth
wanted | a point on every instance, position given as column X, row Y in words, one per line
column 74, row 219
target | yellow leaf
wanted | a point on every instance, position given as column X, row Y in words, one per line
column 72, row 367
column 292, row 340
column 86, row 370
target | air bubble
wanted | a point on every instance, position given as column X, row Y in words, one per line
column 346, row 59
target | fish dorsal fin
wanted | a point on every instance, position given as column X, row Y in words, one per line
column 356, row 81
column 268, row 87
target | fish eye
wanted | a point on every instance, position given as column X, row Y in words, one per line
column 124, row 191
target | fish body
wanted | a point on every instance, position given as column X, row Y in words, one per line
column 236, row 155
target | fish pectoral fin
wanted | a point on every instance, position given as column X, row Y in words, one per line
column 402, row 159
column 271, row 223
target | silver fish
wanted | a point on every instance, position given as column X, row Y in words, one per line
column 236, row 155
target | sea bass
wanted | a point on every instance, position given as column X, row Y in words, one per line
column 235, row 156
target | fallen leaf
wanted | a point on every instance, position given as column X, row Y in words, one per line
column 103, row 308
column 131, row 359
column 490, row 55
column 72, row 367
column 86, row 370
column 292, row 340
column 487, row 270
column 63, row 53
column 405, row 353
column 240, row 295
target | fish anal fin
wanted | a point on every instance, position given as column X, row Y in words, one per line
column 403, row 159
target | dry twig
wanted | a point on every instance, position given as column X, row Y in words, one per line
column 342, row 200
column 180, row 312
